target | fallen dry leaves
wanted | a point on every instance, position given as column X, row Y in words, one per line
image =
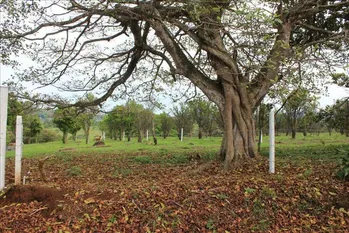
column 111, row 193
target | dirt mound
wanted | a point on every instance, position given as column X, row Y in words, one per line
column 25, row 194
column 99, row 143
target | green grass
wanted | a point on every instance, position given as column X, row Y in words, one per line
column 320, row 146
column 172, row 150
column 165, row 147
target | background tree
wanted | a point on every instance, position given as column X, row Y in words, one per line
column 308, row 116
column 182, row 119
column 233, row 51
column 119, row 121
column 203, row 114
column 296, row 106
column 262, row 121
column 341, row 116
column 137, row 111
column 166, row 124
column 66, row 121
column 86, row 117
column 32, row 127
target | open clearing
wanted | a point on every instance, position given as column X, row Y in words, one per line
column 165, row 191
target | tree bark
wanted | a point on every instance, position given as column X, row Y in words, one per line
column 200, row 133
column 87, row 135
column 238, row 142
column 139, row 136
column 65, row 137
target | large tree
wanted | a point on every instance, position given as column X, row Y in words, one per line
column 233, row 51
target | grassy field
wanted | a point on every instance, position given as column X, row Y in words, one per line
column 140, row 187
column 313, row 146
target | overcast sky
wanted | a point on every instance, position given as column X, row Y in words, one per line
column 334, row 92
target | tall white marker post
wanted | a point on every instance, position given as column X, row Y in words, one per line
column 19, row 145
column 271, row 141
column 147, row 135
column 3, row 123
column 181, row 134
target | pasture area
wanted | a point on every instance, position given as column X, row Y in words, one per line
column 177, row 187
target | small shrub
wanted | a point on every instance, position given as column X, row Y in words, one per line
column 308, row 172
column 249, row 190
column 210, row 225
column 49, row 136
column 143, row 159
column 343, row 172
column 178, row 159
column 74, row 171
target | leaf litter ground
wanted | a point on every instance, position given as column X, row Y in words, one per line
column 118, row 193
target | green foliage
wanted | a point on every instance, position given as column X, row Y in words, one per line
column 249, row 190
column 66, row 120
column 49, row 135
column 336, row 116
column 341, row 79
column 182, row 119
column 142, row 159
column 166, row 124
column 32, row 128
column 210, row 225
column 204, row 114
column 343, row 172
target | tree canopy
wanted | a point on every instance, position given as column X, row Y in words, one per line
column 233, row 51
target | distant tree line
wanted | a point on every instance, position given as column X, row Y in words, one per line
column 199, row 117
column 134, row 119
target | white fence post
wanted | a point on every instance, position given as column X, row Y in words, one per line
column 3, row 129
column 19, row 145
column 147, row 135
column 271, row 141
column 181, row 134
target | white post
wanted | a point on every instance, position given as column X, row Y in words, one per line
column 3, row 124
column 123, row 136
column 147, row 135
column 103, row 136
column 19, row 144
column 261, row 137
column 181, row 134
column 271, row 142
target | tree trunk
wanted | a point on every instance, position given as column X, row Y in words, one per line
column 87, row 135
column 294, row 128
column 200, row 133
column 155, row 140
column 139, row 136
column 305, row 132
column 239, row 134
column 74, row 136
column 65, row 137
